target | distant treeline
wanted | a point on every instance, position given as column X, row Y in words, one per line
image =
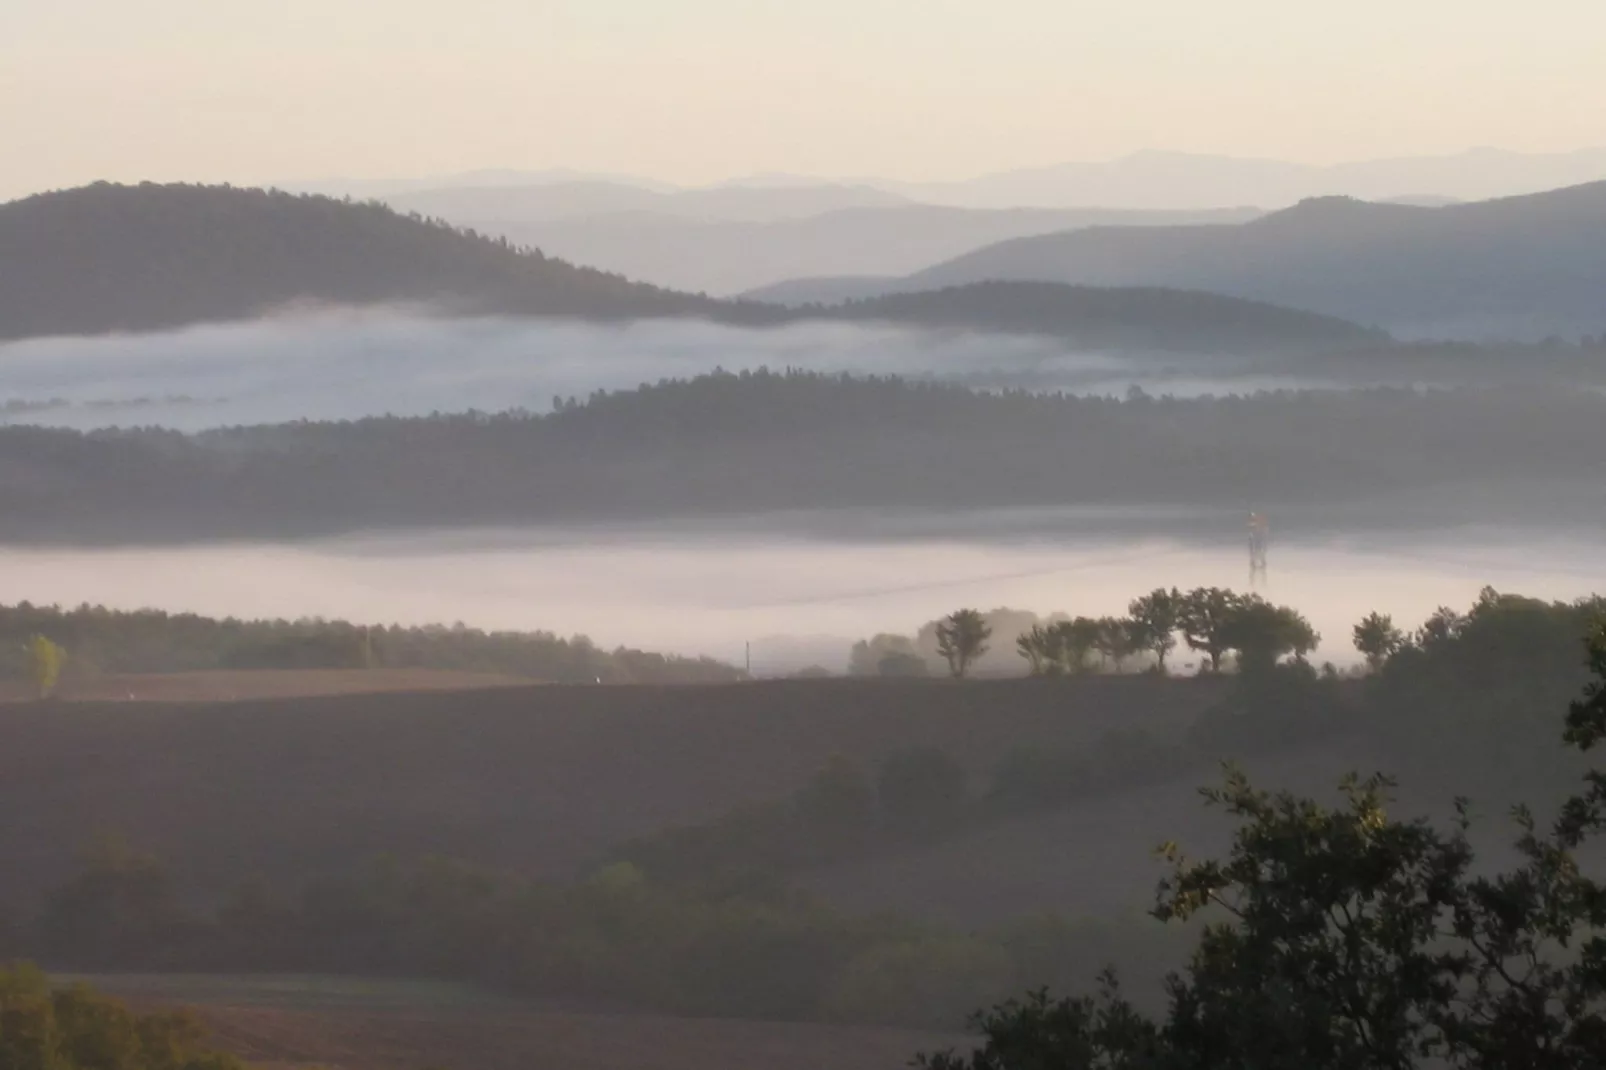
column 100, row 640
column 1460, row 704
column 760, row 441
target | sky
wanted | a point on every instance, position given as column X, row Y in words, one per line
column 696, row 91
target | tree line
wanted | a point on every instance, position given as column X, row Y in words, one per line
column 758, row 441
column 1213, row 622
column 1460, row 703
column 52, row 646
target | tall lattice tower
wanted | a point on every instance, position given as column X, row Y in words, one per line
column 1259, row 538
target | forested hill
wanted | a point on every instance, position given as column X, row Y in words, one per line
column 134, row 258
column 1522, row 267
column 131, row 258
column 760, row 442
column 1128, row 318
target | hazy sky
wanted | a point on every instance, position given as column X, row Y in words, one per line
column 698, row 90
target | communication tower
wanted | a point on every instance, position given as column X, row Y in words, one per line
column 1259, row 537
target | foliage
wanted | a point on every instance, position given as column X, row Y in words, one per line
column 756, row 441
column 152, row 641
column 1344, row 938
column 46, row 660
column 1378, row 639
column 74, row 1028
column 885, row 655
column 962, row 639
column 1154, row 622
column 1204, row 616
column 1262, row 634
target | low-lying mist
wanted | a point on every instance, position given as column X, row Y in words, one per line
column 347, row 364
column 796, row 599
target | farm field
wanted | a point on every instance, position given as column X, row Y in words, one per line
column 541, row 779
column 384, row 1025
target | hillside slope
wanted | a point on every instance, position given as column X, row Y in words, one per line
column 721, row 255
column 1131, row 318
column 1521, row 266
column 110, row 258
column 133, row 258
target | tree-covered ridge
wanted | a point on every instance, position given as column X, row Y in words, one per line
column 760, row 441
column 135, row 258
column 130, row 258
column 100, row 640
column 1132, row 317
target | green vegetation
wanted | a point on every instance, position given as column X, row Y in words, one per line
column 1345, row 938
column 760, row 441
column 616, row 936
column 151, row 641
column 74, row 1028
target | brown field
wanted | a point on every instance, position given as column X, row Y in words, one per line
column 388, row 1026
column 233, row 685
column 538, row 779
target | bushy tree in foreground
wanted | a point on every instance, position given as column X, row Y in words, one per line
column 1343, row 939
column 73, row 1028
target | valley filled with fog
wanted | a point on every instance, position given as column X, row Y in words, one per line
column 802, row 599
column 349, row 364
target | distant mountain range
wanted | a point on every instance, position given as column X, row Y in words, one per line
column 1142, row 180
column 1187, row 180
column 728, row 256
column 1517, row 267
column 137, row 258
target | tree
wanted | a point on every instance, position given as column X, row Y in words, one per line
column 1263, row 633
column 1443, row 625
column 868, row 655
column 75, row 1028
column 47, row 660
column 961, row 639
column 1203, row 616
column 1355, row 941
column 1078, row 638
column 1037, row 647
column 1116, row 641
column 1154, row 622
column 1378, row 639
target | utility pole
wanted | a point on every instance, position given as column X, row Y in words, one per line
column 749, row 659
column 1259, row 537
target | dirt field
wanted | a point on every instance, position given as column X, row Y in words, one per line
column 539, row 779
column 235, row 685
column 385, row 1026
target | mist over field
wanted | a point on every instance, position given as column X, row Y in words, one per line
column 707, row 591
column 349, row 364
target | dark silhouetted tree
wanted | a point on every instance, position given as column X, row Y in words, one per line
column 961, row 639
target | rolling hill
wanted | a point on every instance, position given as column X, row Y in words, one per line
column 723, row 255
column 108, row 258
column 133, row 258
column 1523, row 267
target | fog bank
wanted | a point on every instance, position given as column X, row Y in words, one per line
column 707, row 594
column 349, row 364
